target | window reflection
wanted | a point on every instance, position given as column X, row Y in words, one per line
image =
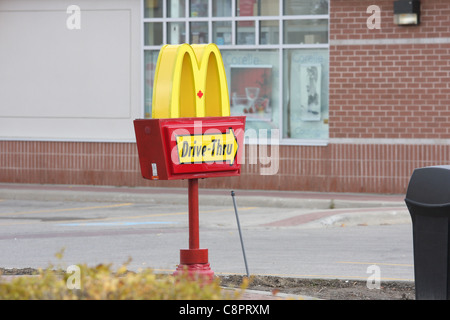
column 151, row 58
column 176, row 8
column 153, row 34
column 176, row 32
column 222, row 32
column 305, row 7
column 247, row 8
column 198, row 8
column 254, row 90
column 199, row 32
column 305, row 31
column 269, row 32
column 305, row 109
column 221, row 8
column 245, row 32
column 153, row 8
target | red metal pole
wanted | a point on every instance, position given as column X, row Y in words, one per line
column 194, row 260
column 194, row 238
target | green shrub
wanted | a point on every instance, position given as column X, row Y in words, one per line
column 101, row 283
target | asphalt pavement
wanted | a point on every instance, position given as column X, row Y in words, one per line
column 294, row 210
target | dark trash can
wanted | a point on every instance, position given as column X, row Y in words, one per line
column 428, row 202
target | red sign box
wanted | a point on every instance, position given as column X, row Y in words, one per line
column 189, row 148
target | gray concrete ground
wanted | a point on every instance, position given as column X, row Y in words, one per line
column 287, row 234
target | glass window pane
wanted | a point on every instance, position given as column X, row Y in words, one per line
column 305, row 86
column 305, row 31
column 176, row 32
column 269, row 32
column 199, row 8
column 151, row 58
column 222, row 32
column 245, row 32
column 305, row 7
column 252, row 77
column 221, row 8
column 199, row 32
column 153, row 34
column 269, row 8
column 246, row 8
column 176, row 8
column 153, row 8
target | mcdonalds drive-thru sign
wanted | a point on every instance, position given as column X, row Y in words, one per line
column 191, row 133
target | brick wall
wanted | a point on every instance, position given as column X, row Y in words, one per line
column 402, row 91
column 370, row 168
column 385, row 88
column 348, row 20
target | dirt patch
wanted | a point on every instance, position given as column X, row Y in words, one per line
column 334, row 289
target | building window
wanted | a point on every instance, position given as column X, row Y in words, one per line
column 275, row 54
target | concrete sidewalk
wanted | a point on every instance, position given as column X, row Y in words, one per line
column 348, row 208
column 280, row 199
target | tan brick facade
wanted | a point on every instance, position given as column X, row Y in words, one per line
column 389, row 83
column 370, row 168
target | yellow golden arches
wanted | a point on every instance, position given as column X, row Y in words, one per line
column 190, row 81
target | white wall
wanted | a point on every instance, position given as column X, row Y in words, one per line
column 61, row 84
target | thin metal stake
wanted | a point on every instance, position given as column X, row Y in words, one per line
column 240, row 233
